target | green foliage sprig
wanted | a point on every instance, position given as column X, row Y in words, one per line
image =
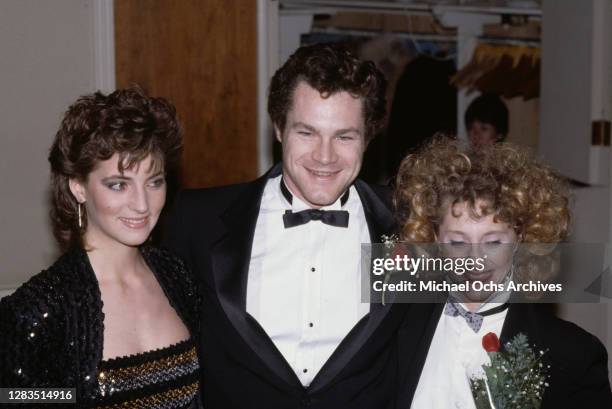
column 516, row 377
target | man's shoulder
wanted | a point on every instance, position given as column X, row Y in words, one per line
column 197, row 214
column 215, row 192
column 212, row 197
column 380, row 192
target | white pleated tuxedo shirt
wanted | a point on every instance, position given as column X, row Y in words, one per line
column 304, row 284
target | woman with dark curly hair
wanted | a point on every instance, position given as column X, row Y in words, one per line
column 114, row 317
column 492, row 199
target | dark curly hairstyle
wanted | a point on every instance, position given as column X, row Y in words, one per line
column 329, row 68
column 94, row 128
column 501, row 180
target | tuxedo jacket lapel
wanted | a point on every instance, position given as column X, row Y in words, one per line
column 415, row 350
column 380, row 221
column 518, row 320
column 377, row 213
column 522, row 318
column 230, row 266
column 423, row 319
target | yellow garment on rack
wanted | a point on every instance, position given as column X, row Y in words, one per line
column 505, row 69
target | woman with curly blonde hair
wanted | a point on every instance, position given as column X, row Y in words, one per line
column 492, row 199
column 502, row 180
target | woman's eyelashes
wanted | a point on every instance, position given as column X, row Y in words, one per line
column 119, row 186
column 157, row 182
column 460, row 242
column 116, row 185
column 492, row 242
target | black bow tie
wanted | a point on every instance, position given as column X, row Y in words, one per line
column 337, row 218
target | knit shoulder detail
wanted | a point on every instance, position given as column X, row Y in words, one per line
column 179, row 284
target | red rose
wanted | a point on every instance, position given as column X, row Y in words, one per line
column 490, row 342
column 400, row 250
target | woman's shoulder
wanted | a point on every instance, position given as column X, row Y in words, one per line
column 578, row 362
column 171, row 270
column 42, row 288
column 36, row 322
column 46, row 301
column 178, row 281
column 562, row 330
column 568, row 343
column 164, row 261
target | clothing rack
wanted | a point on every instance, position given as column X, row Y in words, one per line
column 401, row 7
column 509, row 41
column 503, row 69
column 416, row 40
column 331, row 6
column 468, row 21
column 415, row 37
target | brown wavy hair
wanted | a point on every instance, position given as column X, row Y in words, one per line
column 502, row 180
column 329, row 68
column 94, row 128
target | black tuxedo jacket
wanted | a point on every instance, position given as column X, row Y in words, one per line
column 578, row 361
column 212, row 230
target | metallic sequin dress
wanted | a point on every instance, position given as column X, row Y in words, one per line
column 52, row 328
column 166, row 378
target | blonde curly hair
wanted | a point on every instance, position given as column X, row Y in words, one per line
column 502, row 180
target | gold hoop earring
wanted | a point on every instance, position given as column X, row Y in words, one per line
column 80, row 216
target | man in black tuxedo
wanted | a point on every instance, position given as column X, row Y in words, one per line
column 283, row 325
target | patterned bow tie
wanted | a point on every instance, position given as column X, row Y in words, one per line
column 473, row 319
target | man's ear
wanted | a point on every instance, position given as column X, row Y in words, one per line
column 77, row 189
column 278, row 134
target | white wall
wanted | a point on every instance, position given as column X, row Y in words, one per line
column 575, row 90
column 46, row 61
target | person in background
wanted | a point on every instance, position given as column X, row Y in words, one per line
column 486, row 121
column 114, row 317
column 492, row 199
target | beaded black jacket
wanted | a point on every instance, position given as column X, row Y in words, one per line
column 51, row 328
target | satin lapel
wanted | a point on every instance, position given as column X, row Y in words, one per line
column 527, row 319
column 230, row 266
column 515, row 322
column 523, row 318
column 378, row 215
column 380, row 221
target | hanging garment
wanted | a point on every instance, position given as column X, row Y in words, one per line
column 424, row 103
